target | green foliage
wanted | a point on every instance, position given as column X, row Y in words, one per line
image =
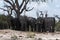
column 3, row 21
column 57, row 27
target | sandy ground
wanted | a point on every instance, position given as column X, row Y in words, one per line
column 19, row 35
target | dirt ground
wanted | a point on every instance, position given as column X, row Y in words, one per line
column 19, row 35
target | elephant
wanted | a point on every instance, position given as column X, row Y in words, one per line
column 24, row 23
column 15, row 24
column 40, row 24
column 32, row 24
column 45, row 24
column 50, row 24
column 19, row 24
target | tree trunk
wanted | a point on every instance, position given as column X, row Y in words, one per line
column 18, row 21
column 18, row 16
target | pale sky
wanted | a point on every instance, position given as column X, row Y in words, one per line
column 52, row 8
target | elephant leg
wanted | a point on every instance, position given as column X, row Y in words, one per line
column 22, row 27
column 25, row 26
column 52, row 29
column 37, row 27
column 34, row 28
column 43, row 29
column 29, row 27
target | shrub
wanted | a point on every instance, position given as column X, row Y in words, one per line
column 57, row 27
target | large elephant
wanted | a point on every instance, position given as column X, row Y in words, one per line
column 24, row 23
column 40, row 24
column 21, row 24
column 45, row 24
column 32, row 24
column 50, row 24
column 15, row 24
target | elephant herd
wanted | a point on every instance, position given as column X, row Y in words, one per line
column 32, row 24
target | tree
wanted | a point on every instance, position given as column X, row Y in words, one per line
column 14, row 5
column 9, row 11
column 57, row 16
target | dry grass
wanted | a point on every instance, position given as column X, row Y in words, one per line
column 15, row 35
column 30, row 35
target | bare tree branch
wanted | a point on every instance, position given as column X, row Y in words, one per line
column 6, row 11
column 17, row 4
column 24, row 8
column 14, row 5
column 12, row 1
column 21, row 5
column 57, row 16
column 8, row 7
column 3, row 9
column 8, row 2
column 29, row 9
